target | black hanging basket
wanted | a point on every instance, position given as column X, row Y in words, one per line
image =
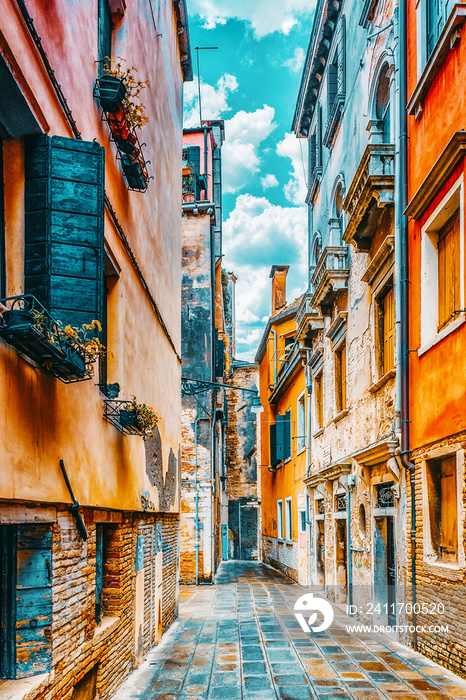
column 135, row 175
column 110, row 91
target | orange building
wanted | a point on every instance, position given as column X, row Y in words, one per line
column 437, row 330
column 283, row 443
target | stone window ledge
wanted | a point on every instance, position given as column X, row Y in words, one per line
column 340, row 415
column 104, row 630
column 25, row 688
column 452, row 326
column 450, row 572
column 318, row 433
column 382, row 381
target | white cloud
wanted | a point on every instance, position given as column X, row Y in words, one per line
column 295, row 62
column 296, row 150
column 257, row 235
column 214, row 99
column 243, row 134
column 265, row 16
column 269, row 181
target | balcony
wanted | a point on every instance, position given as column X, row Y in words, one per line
column 291, row 361
column 308, row 321
column 370, row 194
column 330, row 278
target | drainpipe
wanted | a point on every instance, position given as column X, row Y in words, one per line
column 308, row 453
column 401, row 279
column 274, row 356
column 349, row 548
column 196, row 485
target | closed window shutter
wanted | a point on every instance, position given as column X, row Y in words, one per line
column 343, row 376
column 281, row 438
column 312, row 154
column 319, row 137
column 449, row 281
column 219, row 357
column 341, row 76
column 64, row 227
column 449, row 517
column 273, row 445
column 33, row 600
column 332, row 83
column 388, row 332
column 287, row 425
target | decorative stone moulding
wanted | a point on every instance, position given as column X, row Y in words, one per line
column 370, row 192
column 308, row 321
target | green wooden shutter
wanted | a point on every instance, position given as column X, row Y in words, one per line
column 273, row 445
column 281, row 438
column 287, row 431
column 8, row 601
column 33, row 600
column 64, row 228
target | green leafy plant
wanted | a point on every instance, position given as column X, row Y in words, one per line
column 135, row 110
column 80, row 339
column 189, row 179
column 146, row 417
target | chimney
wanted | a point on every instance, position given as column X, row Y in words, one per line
column 278, row 274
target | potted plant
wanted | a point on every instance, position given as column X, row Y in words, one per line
column 135, row 111
column 111, row 92
column 146, row 417
column 188, row 183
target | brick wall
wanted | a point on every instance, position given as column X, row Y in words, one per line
column 434, row 583
column 283, row 556
column 78, row 645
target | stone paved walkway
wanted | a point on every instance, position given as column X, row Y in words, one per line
column 239, row 639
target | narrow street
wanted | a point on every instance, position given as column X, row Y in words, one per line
column 239, row 639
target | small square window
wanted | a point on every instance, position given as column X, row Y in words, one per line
column 443, row 509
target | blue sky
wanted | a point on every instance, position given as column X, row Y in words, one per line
column 252, row 82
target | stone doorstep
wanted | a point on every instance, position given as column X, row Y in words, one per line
column 25, row 688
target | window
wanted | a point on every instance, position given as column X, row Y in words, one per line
column 340, row 378
column 104, row 28
column 25, row 600
column 99, row 571
column 442, row 269
column 319, row 401
column 301, row 423
column 443, row 509
column 387, row 323
column 302, row 520
column 288, row 519
column 2, row 227
column 382, row 103
column 280, row 519
column 435, row 22
column 449, row 270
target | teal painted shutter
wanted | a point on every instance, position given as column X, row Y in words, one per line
column 99, row 571
column 8, row 601
column 281, row 438
column 64, row 227
column 287, row 431
column 104, row 21
column 219, row 357
column 33, row 600
column 341, row 76
column 273, row 445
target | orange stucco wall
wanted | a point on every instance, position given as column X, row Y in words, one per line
column 43, row 420
column 437, row 389
column 288, row 480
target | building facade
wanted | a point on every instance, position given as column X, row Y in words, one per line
column 283, row 444
column 345, row 324
column 436, row 159
column 89, row 511
column 205, row 354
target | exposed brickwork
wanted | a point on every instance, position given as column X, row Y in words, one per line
column 437, row 583
column 283, row 556
column 77, row 644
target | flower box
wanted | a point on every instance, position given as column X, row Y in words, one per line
column 135, row 174
column 110, row 92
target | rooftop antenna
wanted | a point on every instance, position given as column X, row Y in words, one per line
column 197, row 49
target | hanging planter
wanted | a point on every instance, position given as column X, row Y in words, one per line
column 135, row 173
column 131, row 417
column 110, row 92
column 65, row 352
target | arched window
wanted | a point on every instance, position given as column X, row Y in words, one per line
column 316, row 248
column 382, row 102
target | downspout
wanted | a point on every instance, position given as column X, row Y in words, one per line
column 308, row 453
column 402, row 280
column 349, row 548
column 196, row 521
column 274, row 356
